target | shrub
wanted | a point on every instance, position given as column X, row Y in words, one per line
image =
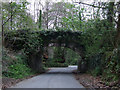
column 18, row 68
column 97, row 71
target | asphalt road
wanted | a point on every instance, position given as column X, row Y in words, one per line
column 54, row 78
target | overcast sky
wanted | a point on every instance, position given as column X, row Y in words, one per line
column 31, row 6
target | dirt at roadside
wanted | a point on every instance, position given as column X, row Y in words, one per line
column 8, row 82
column 90, row 81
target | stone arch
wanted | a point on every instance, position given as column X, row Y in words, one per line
column 69, row 39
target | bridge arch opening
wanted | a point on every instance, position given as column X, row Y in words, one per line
column 38, row 59
column 56, row 56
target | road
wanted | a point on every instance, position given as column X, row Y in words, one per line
column 54, row 78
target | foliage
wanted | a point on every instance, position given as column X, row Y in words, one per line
column 60, row 55
column 17, row 67
column 33, row 44
column 55, row 62
column 15, row 16
column 19, row 71
column 71, row 57
column 96, row 72
column 99, row 51
column 98, row 31
column 112, row 68
column 98, row 36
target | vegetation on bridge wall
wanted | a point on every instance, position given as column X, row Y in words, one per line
column 33, row 43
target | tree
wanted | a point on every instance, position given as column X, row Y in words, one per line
column 16, row 17
column 51, row 17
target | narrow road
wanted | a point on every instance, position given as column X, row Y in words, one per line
column 54, row 78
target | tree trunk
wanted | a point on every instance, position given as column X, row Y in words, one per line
column 11, row 16
column 110, row 12
column 40, row 19
column 117, row 37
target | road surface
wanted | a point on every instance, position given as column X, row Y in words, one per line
column 54, row 78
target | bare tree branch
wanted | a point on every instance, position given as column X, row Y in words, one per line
column 8, row 19
column 91, row 5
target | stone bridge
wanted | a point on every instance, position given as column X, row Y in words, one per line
column 16, row 40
